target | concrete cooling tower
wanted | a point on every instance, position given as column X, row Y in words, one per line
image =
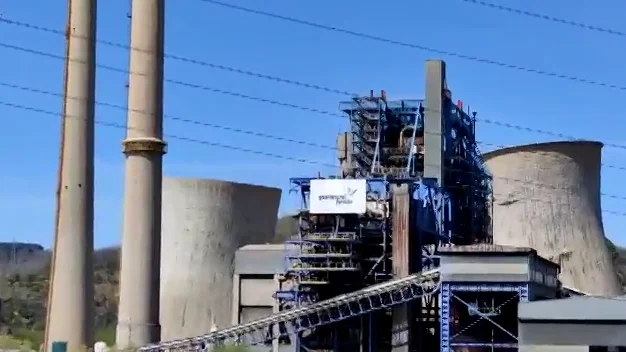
column 204, row 223
column 547, row 196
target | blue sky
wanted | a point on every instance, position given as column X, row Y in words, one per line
column 198, row 30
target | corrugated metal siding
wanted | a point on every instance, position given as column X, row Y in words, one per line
column 257, row 292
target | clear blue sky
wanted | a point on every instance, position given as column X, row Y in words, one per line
column 29, row 143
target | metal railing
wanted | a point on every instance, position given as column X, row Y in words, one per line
column 304, row 318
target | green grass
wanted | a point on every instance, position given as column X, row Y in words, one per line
column 35, row 337
column 14, row 343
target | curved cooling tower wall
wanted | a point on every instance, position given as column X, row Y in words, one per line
column 204, row 223
column 547, row 196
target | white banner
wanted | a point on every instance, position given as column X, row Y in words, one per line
column 338, row 196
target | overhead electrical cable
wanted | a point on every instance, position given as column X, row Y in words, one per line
column 418, row 46
column 225, row 146
column 237, row 130
column 547, row 17
column 289, row 81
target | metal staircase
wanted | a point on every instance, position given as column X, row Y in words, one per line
column 304, row 318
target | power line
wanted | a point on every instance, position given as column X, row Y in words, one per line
column 173, row 118
column 181, row 59
column 171, row 136
column 418, row 46
column 274, row 78
column 546, row 17
column 237, row 131
column 230, row 147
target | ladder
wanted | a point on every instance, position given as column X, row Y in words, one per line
column 304, row 318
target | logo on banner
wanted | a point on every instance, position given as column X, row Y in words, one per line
column 338, row 196
column 346, row 198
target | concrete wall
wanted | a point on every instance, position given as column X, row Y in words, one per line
column 204, row 223
column 547, row 196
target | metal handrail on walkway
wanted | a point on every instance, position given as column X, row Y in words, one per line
column 304, row 318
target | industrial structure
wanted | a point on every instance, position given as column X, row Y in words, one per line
column 345, row 244
column 576, row 324
column 547, row 197
column 404, row 218
column 397, row 252
column 481, row 288
column 204, row 223
column 71, row 294
column 138, row 314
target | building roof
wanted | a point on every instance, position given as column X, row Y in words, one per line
column 485, row 248
column 581, row 308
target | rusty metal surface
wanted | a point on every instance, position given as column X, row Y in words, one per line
column 400, row 240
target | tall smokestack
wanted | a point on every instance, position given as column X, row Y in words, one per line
column 71, row 298
column 138, row 316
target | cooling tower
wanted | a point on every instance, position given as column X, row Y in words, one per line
column 204, row 223
column 547, row 196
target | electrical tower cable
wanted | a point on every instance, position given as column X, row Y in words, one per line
column 308, row 109
column 173, row 118
column 182, row 59
column 176, row 137
column 254, row 74
column 253, row 133
column 546, row 17
column 280, row 156
column 418, row 46
column 289, row 105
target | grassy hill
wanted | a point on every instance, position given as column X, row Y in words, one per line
column 24, row 270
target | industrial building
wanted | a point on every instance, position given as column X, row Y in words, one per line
column 387, row 213
column 547, row 196
column 204, row 222
column 576, row 324
column 420, row 243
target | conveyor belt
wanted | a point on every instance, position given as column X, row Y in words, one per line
column 342, row 307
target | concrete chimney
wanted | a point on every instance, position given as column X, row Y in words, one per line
column 138, row 316
column 71, row 298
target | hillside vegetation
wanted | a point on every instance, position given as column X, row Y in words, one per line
column 24, row 270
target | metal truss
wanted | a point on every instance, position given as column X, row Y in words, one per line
column 305, row 318
column 448, row 343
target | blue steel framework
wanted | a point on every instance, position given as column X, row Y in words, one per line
column 335, row 254
column 465, row 177
column 465, row 324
